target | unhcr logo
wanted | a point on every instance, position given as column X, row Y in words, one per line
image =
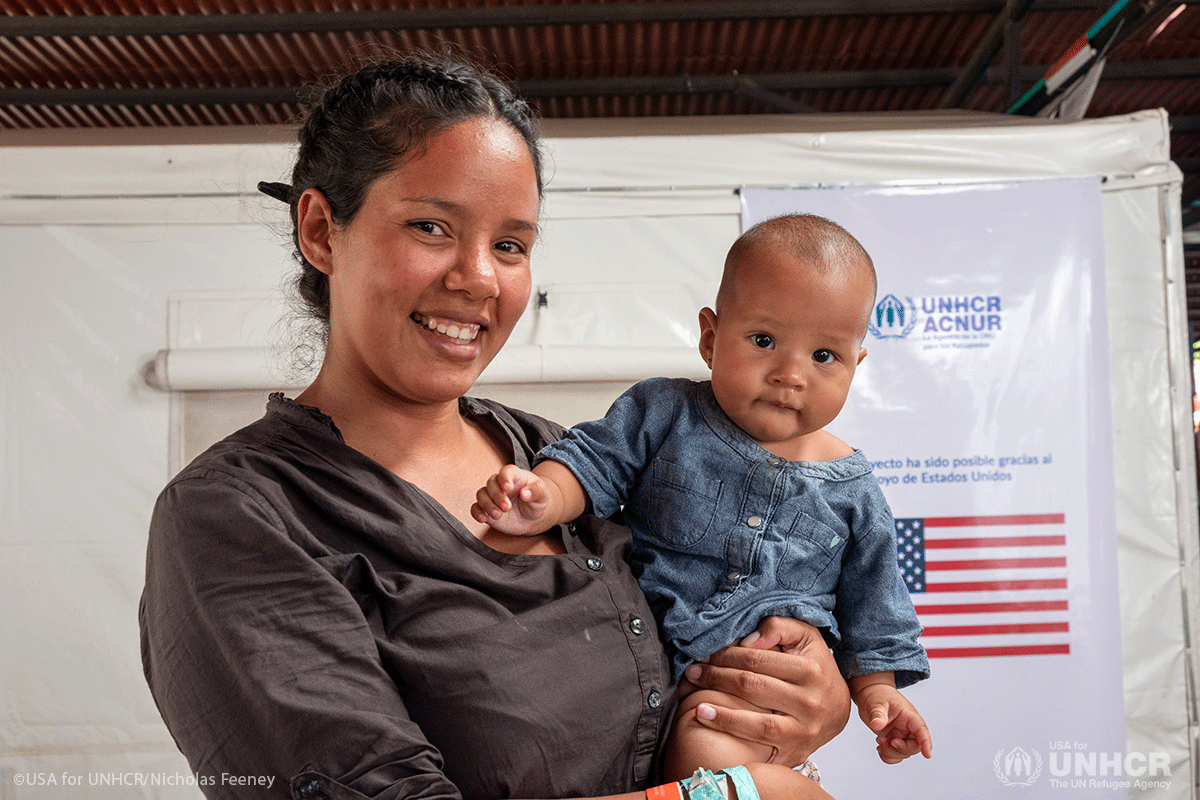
column 961, row 314
column 1017, row 767
column 893, row 318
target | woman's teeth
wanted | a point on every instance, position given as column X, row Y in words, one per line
column 461, row 333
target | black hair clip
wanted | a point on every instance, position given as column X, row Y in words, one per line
column 280, row 191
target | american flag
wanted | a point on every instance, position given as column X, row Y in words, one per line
column 988, row 585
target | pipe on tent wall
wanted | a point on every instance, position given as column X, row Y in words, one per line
column 200, row 369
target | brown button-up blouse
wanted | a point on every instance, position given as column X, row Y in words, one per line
column 313, row 626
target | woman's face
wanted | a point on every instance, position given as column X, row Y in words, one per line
column 428, row 280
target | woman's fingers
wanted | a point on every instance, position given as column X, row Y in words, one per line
column 752, row 726
column 804, row 699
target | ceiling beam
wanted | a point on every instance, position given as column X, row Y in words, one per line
column 985, row 53
column 1180, row 68
column 181, row 96
column 692, row 84
column 487, row 17
column 750, row 85
column 1013, row 59
column 749, row 88
column 539, row 88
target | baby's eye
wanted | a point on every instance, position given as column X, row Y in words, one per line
column 763, row 340
column 824, row 357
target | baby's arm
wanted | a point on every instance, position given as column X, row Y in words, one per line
column 901, row 730
column 523, row 503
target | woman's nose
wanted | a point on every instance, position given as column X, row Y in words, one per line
column 473, row 273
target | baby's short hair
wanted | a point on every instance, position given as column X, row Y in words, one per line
column 814, row 239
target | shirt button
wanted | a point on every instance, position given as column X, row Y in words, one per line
column 754, row 521
column 310, row 789
column 776, row 461
column 655, row 699
column 733, row 576
column 595, row 564
column 637, row 626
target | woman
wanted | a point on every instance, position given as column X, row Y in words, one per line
column 322, row 616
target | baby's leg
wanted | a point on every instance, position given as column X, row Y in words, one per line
column 693, row 746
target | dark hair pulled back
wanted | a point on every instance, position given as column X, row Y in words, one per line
column 371, row 121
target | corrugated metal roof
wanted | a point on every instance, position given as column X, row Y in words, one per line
column 146, row 63
column 833, row 60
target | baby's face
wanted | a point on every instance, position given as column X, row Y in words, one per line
column 784, row 348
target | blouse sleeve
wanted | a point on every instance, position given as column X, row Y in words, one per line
column 261, row 662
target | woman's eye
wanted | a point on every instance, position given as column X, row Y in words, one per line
column 763, row 340
column 431, row 228
column 824, row 357
column 515, row 248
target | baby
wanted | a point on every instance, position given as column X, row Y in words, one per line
column 741, row 504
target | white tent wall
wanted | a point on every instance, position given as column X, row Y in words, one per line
column 115, row 252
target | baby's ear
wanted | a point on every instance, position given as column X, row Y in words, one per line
column 708, row 334
column 862, row 353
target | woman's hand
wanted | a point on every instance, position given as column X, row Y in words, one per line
column 786, row 669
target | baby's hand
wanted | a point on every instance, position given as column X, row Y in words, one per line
column 514, row 501
column 901, row 730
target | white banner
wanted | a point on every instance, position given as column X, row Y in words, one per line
column 983, row 404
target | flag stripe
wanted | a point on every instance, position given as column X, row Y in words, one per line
column 993, row 608
column 998, row 541
column 1013, row 627
column 999, row 586
column 1005, row 650
column 995, row 519
column 997, row 563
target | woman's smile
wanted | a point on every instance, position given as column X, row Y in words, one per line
column 458, row 332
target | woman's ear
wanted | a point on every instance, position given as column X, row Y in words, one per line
column 314, row 226
column 708, row 334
